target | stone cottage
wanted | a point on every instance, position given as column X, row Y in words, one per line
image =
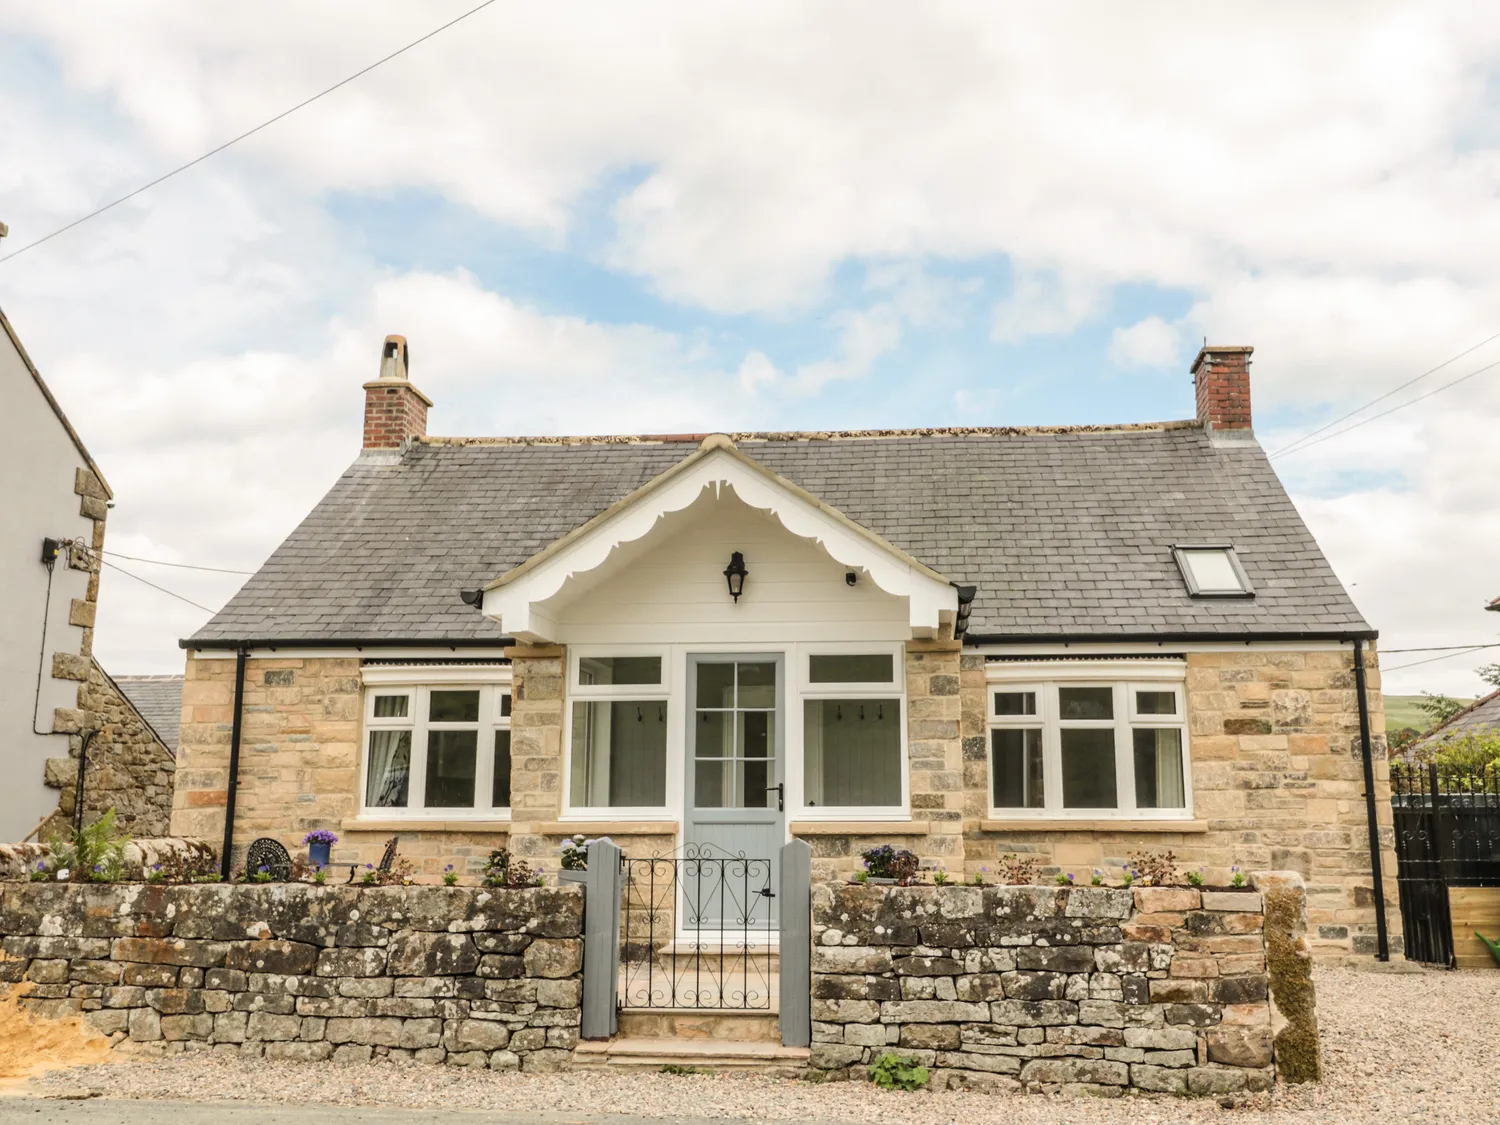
column 53, row 694
column 1065, row 643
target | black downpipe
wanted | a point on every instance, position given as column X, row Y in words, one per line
column 1383, row 941
column 234, row 761
column 83, row 765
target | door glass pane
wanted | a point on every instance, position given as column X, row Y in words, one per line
column 500, row 794
column 1017, row 768
column 388, row 770
column 1015, row 703
column 1086, row 702
column 714, row 735
column 757, row 685
column 711, row 783
column 1088, row 768
column 619, row 754
column 715, row 685
column 391, row 706
column 862, row 668
column 1158, row 769
column 852, row 752
column 1156, row 703
column 594, row 670
column 754, row 780
column 755, row 734
column 451, row 758
column 453, row 707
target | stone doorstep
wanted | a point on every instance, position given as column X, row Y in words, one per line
column 728, row 1027
column 653, row 1054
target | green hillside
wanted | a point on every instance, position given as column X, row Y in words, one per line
column 1401, row 711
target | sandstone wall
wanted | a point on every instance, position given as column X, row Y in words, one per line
column 1051, row 988
column 129, row 770
column 480, row 978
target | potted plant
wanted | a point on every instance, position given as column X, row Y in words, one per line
column 885, row 865
column 319, row 843
column 575, row 859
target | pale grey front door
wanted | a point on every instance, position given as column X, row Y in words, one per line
column 736, row 785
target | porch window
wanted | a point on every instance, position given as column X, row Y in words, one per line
column 618, row 752
column 851, row 733
column 1088, row 749
column 437, row 749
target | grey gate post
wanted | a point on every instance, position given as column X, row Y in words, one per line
column 796, row 944
column 601, row 941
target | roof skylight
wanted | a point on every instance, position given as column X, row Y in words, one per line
column 1212, row 571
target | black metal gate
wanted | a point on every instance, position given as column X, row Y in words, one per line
column 1447, row 823
column 698, row 931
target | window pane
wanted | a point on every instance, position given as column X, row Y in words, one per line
column 1086, row 702
column 391, row 706
column 1015, row 703
column 1158, row 769
column 713, row 737
column 1017, row 768
column 757, row 685
column 619, row 754
column 388, row 769
column 1212, row 572
column 756, row 739
column 715, row 685
column 852, row 752
column 596, row 670
column 1088, row 769
column 1156, row 703
column 505, row 705
column 864, row 668
column 453, row 707
column 500, row 791
column 451, row 758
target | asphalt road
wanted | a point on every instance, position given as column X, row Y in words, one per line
column 103, row 1111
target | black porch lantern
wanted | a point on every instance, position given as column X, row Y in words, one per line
column 735, row 574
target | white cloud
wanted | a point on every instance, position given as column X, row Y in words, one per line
column 1149, row 343
column 1046, row 304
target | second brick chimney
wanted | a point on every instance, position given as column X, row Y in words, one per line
column 395, row 411
column 1221, row 377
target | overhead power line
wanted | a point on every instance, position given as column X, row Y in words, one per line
column 180, row 566
column 1384, row 413
column 154, row 586
column 1443, row 648
column 1394, row 390
column 247, row 133
column 1433, row 659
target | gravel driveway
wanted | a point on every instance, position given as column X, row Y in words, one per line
column 1422, row 1047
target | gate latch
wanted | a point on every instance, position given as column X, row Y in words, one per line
column 767, row 892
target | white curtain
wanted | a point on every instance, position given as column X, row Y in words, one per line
column 390, row 767
column 1169, row 794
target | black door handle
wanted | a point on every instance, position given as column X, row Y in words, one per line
column 780, row 791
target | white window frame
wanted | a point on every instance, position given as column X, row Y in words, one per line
column 578, row 692
column 1124, row 678
column 801, row 689
column 417, row 684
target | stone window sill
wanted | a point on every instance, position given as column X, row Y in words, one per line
column 415, row 824
column 1158, row 827
column 858, row 827
column 602, row 827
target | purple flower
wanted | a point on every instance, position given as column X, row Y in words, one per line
column 1070, row 876
column 448, row 868
column 320, row 836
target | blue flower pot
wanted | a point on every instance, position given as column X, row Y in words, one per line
column 318, row 854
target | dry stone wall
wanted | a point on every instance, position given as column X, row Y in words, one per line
column 470, row 977
column 1040, row 988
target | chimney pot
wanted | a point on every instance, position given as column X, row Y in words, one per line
column 1221, row 378
column 395, row 411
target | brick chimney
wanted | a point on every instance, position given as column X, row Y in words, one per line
column 395, row 411
column 1221, row 376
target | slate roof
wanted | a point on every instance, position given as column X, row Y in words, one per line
column 158, row 699
column 1065, row 532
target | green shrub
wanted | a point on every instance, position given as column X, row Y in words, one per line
column 94, row 853
column 892, row 1072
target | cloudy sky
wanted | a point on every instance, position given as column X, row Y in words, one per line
column 605, row 218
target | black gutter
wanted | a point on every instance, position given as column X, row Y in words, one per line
column 1162, row 638
column 1382, row 938
column 346, row 642
column 234, row 761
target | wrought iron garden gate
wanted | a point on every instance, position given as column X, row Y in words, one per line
column 699, row 931
column 1447, row 825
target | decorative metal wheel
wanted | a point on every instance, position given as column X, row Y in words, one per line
column 269, row 854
